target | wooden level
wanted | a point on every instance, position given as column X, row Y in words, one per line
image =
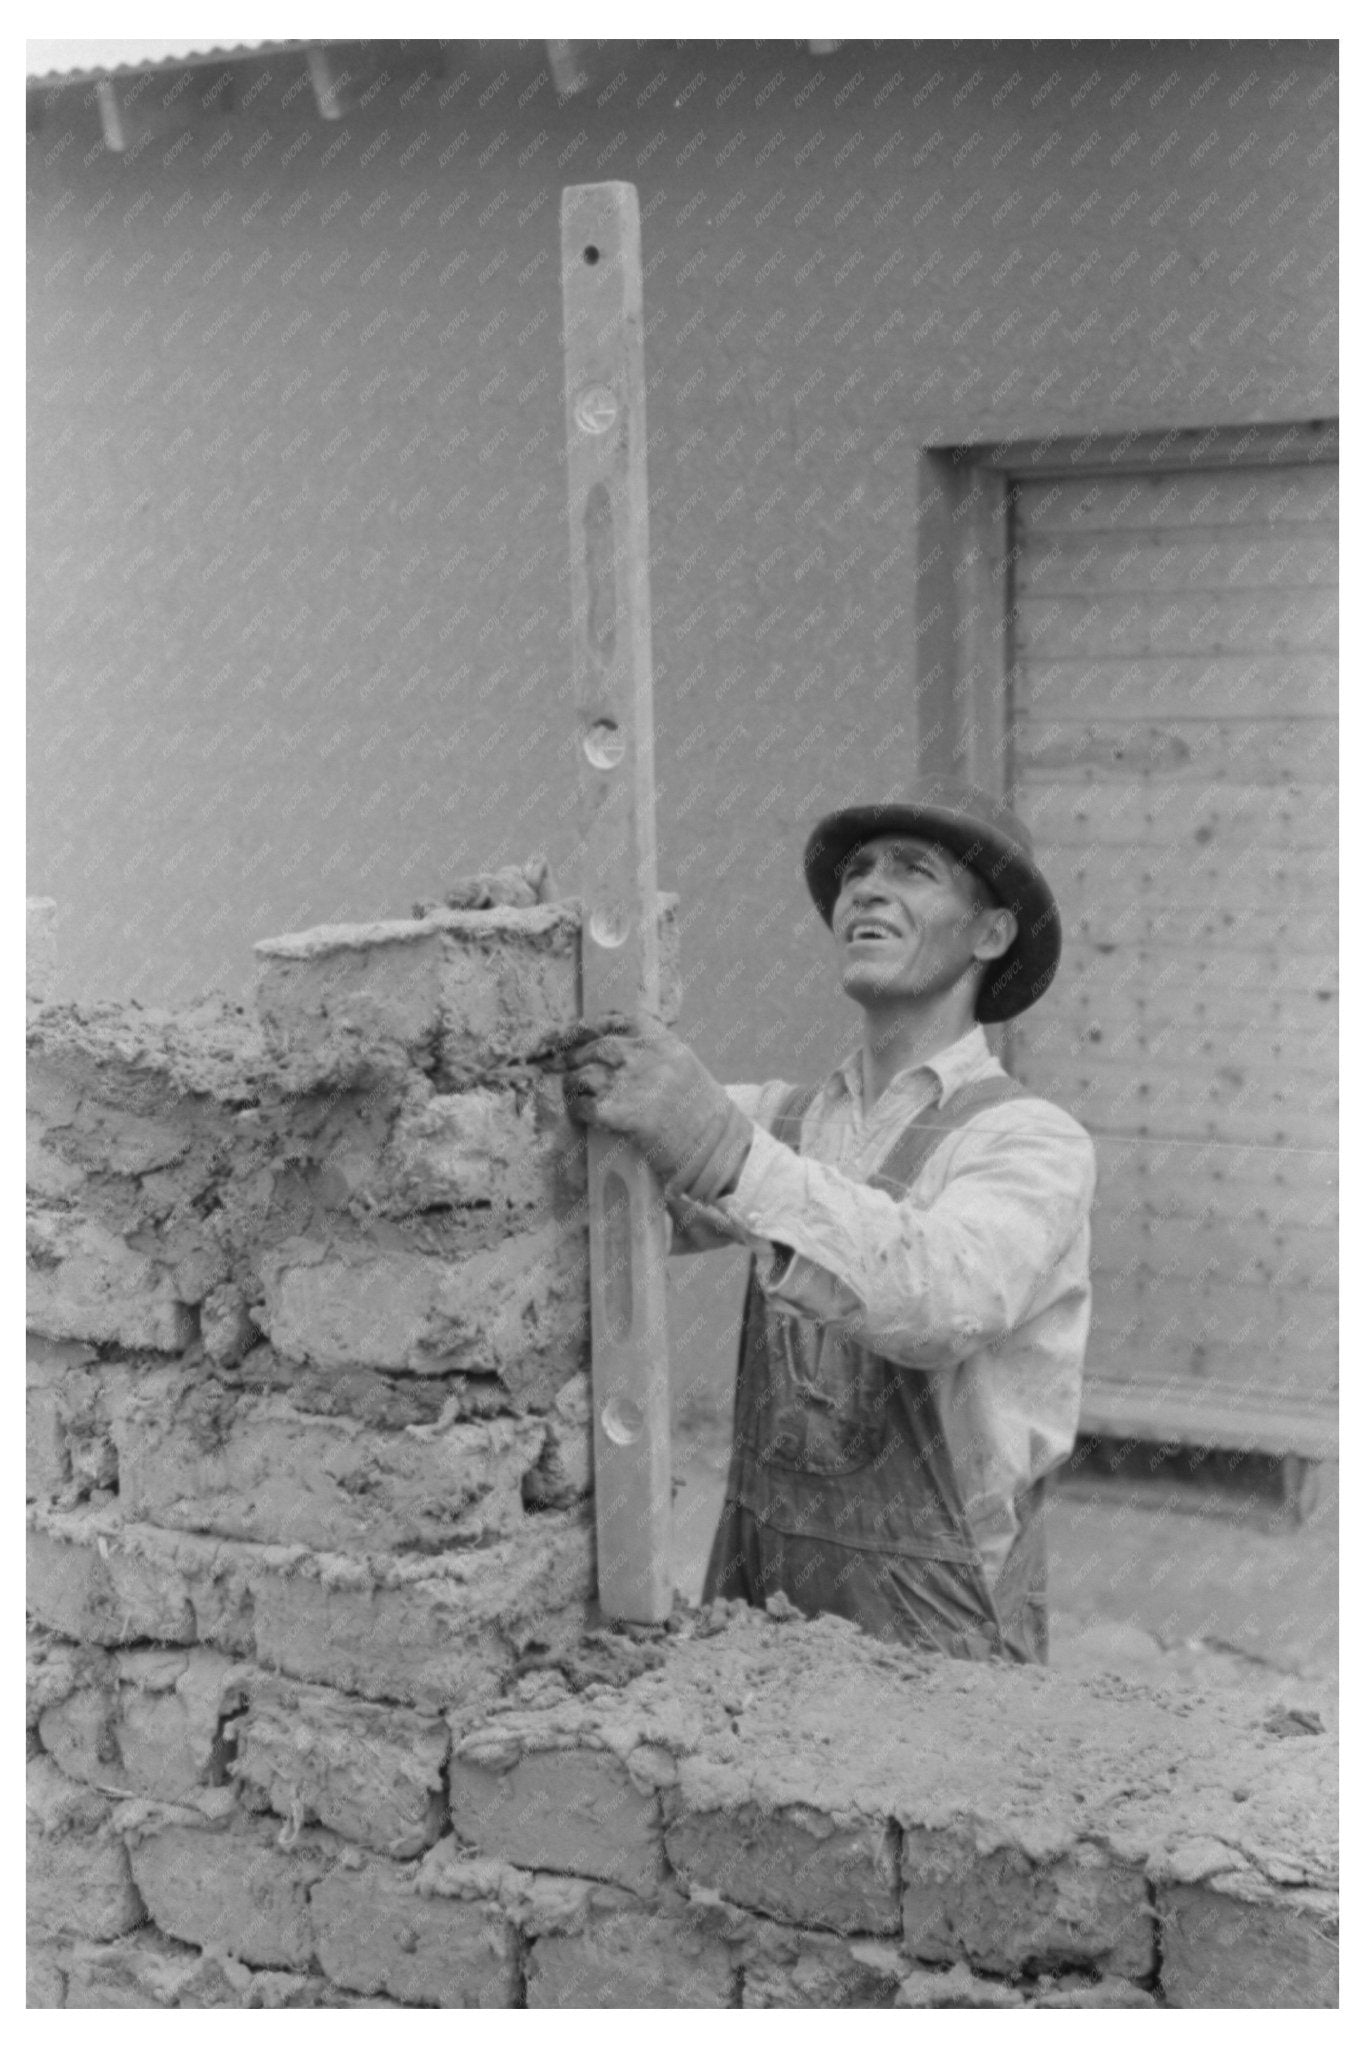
column 604, row 404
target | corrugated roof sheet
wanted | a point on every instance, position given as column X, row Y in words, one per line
column 71, row 59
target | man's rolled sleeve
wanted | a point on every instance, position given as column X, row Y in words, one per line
column 694, row 1227
column 923, row 1285
column 772, row 1184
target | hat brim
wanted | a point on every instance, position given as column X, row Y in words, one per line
column 1023, row 974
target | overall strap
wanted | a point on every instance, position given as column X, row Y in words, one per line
column 789, row 1119
column 787, row 1129
column 924, row 1133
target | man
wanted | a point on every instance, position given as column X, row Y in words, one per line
column 918, row 1303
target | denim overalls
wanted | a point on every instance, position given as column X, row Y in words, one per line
column 841, row 1492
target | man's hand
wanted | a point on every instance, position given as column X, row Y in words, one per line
column 637, row 1078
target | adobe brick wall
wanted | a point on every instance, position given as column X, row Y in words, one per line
column 321, row 1713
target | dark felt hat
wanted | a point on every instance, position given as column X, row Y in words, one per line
column 982, row 833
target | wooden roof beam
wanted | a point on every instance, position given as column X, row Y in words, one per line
column 328, row 86
column 568, row 67
column 111, row 115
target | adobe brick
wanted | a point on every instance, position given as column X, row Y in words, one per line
column 508, row 986
column 100, row 1596
column 646, row 1959
column 572, row 1810
column 792, row 1862
column 48, row 1174
column 107, row 1114
column 341, row 998
column 55, row 1668
column 792, row 1969
column 47, row 1457
column 500, row 1148
column 517, row 1310
column 510, row 983
column 68, row 1439
column 369, row 1773
column 158, row 1064
column 86, row 1283
column 375, row 1933
column 79, row 1880
column 198, row 1453
column 97, row 1579
column 148, row 1971
column 233, row 1888
column 1238, row 1941
column 431, row 1634
column 145, row 1970
column 45, row 1976
column 172, row 1709
column 151, row 1723
column 79, row 1733
column 1000, row 1909
column 459, row 992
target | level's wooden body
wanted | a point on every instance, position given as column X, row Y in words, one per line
column 604, row 399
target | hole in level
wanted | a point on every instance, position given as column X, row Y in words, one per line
column 618, row 1293
column 609, row 924
column 623, row 1420
column 605, row 744
column 591, row 253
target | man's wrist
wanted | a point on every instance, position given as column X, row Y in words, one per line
column 732, row 1179
column 717, row 1171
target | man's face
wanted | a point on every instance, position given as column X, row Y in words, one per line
column 909, row 921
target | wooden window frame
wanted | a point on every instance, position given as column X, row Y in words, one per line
column 964, row 577
column 965, row 688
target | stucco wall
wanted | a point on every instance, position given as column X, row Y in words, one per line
column 298, row 632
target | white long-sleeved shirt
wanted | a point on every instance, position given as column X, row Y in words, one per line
column 980, row 1271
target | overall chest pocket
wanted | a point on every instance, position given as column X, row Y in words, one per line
column 827, row 1400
